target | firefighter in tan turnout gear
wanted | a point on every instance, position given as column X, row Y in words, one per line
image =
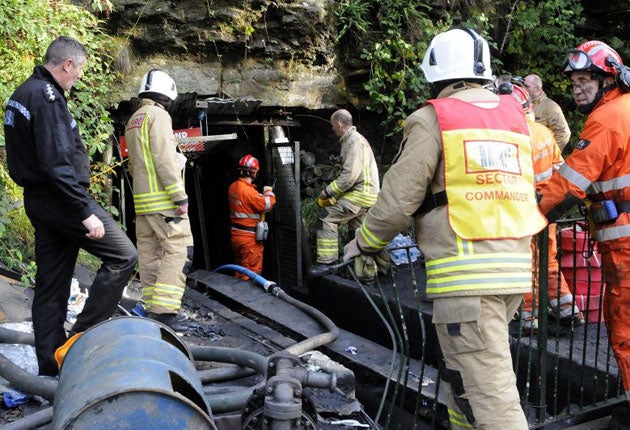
column 348, row 197
column 164, row 239
column 548, row 112
column 464, row 174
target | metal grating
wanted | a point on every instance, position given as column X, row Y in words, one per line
column 287, row 225
column 564, row 374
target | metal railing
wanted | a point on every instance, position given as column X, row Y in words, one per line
column 565, row 371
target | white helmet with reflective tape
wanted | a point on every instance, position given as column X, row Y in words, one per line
column 459, row 53
column 158, row 82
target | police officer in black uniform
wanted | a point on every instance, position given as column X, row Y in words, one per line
column 46, row 156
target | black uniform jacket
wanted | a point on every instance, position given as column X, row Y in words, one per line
column 44, row 148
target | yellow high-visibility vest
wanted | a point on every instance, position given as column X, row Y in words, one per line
column 488, row 169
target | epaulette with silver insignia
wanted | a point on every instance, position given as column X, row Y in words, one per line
column 49, row 93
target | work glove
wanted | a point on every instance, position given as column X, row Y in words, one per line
column 383, row 261
column 322, row 203
column 267, row 190
column 351, row 250
column 365, row 268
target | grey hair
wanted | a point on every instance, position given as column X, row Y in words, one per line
column 343, row 116
column 536, row 80
column 65, row 47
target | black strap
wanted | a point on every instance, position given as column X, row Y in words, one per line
column 432, row 201
column 622, row 206
column 242, row 227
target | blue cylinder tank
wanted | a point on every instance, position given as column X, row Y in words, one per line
column 130, row 373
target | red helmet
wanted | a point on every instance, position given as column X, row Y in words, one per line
column 248, row 162
column 591, row 56
column 522, row 96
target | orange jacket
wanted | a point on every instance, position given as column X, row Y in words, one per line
column 247, row 204
column 598, row 169
column 546, row 153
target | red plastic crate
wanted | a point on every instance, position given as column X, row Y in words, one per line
column 568, row 261
column 591, row 314
column 578, row 280
column 575, row 241
column 576, row 268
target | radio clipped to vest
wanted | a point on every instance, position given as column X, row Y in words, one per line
column 604, row 212
column 262, row 230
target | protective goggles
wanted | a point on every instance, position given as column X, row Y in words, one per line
column 577, row 60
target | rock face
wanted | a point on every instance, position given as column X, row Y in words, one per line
column 280, row 52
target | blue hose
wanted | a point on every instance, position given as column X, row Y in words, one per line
column 262, row 282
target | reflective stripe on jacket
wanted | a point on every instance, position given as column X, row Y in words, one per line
column 247, row 204
column 153, row 160
column 598, row 168
column 546, row 153
column 358, row 181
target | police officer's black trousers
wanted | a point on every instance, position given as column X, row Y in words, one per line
column 59, row 234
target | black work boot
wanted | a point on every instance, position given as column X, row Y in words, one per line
column 321, row 269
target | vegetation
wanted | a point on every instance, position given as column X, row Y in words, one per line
column 26, row 29
column 392, row 35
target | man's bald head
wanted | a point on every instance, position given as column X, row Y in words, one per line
column 341, row 121
column 533, row 85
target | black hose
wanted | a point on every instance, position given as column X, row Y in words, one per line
column 315, row 341
column 224, row 374
column 229, row 402
column 223, row 402
column 15, row 336
column 392, row 337
column 220, row 403
column 31, row 421
column 27, row 383
column 271, row 287
column 249, row 359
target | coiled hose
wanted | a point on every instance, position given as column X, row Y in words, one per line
column 249, row 362
column 28, row 383
column 308, row 344
column 238, row 399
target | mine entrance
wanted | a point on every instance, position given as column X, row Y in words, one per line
column 214, row 137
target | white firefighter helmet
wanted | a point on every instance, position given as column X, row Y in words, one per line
column 156, row 81
column 459, row 53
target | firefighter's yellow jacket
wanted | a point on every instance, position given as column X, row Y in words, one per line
column 154, row 162
column 358, row 181
column 461, row 267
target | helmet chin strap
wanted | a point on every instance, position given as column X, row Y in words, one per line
column 247, row 173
